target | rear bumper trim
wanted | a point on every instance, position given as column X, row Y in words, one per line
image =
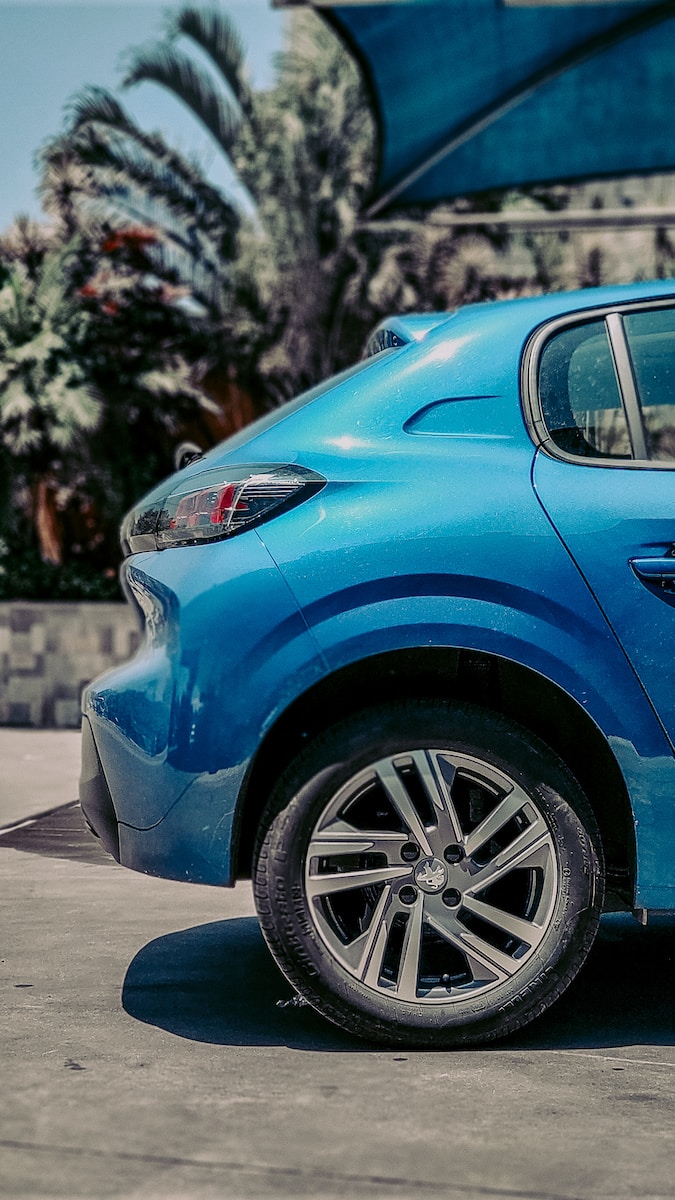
column 95, row 799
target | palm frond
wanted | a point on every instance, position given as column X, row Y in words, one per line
column 188, row 260
column 122, row 184
column 95, row 107
column 208, row 284
column 214, row 31
column 96, row 104
column 52, row 292
column 164, row 175
column 26, row 241
column 126, row 173
column 176, row 72
column 182, row 255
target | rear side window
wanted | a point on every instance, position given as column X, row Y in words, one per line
column 580, row 396
column 382, row 339
column 651, row 343
column 606, row 386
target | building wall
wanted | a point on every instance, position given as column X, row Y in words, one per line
column 49, row 651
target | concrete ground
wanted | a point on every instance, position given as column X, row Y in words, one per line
column 39, row 769
column 144, row 1054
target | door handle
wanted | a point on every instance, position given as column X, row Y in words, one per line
column 659, row 571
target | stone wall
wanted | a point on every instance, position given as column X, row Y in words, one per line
column 49, row 651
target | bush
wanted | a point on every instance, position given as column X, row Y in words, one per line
column 24, row 576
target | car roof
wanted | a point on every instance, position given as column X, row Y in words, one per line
column 531, row 310
column 482, row 342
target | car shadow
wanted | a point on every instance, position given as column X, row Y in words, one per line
column 217, row 983
column 59, row 833
column 622, row 996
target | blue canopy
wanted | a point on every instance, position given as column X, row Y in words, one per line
column 472, row 95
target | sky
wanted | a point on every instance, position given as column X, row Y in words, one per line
column 50, row 50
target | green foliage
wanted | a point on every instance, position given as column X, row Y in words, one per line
column 106, row 169
column 306, row 158
column 46, row 401
column 25, row 576
column 273, row 288
column 149, row 278
column 94, row 386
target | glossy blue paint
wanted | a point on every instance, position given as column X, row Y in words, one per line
column 441, row 525
column 215, row 632
column 627, row 514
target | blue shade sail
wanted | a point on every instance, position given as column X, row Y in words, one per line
column 479, row 94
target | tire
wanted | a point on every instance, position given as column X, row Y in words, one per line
column 428, row 874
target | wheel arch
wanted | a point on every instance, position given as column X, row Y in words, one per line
column 505, row 686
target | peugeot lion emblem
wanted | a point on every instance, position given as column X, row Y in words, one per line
column 431, row 875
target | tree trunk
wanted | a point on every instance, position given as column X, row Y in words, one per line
column 47, row 522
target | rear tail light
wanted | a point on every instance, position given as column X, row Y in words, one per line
column 216, row 504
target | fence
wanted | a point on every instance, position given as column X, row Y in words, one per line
column 49, row 651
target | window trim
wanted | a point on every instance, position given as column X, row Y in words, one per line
column 612, row 317
column 627, row 384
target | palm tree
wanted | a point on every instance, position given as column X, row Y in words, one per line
column 107, row 170
column 287, row 293
column 271, row 286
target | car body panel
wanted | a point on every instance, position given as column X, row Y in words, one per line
column 160, row 720
column 428, row 533
column 628, row 515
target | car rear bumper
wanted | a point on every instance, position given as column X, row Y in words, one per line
column 95, row 799
column 192, row 842
column 169, row 736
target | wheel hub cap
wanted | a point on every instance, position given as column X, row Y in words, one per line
column 431, row 875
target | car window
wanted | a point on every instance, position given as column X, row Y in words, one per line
column 580, row 398
column 382, row 339
column 651, row 341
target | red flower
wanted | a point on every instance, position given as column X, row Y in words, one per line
column 132, row 238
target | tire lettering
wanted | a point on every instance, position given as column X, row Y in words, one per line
column 527, row 992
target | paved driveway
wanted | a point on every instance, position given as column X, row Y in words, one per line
column 39, row 769
column 144, row 1054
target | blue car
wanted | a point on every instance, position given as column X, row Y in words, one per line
column 408, row 665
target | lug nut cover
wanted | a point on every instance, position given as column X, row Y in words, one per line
column 410, row 852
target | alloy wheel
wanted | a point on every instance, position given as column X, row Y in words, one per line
column 431, row 875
